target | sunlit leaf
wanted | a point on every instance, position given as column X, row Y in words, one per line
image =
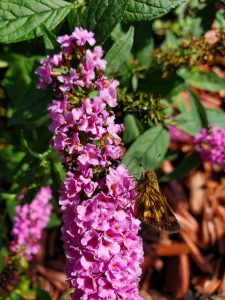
column 22, row 19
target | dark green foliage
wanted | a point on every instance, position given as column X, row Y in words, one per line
column 148, row 149
column 139, row 10
column 119, row 52
column 22, row 20
column 102, row 16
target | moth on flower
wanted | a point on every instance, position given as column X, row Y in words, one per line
column 151, row 206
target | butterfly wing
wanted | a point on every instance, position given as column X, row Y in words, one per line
column 152, row 208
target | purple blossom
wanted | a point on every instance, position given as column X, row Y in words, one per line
column 46, row 69
column 90, row 155
column 209, row 143
column 100, row 234
column 178, row 135
column 108, row 93
column 82, row 36
column 66, row 43
column 44, row 73
column 29, row 221
column 94, row 59
column 68, row 81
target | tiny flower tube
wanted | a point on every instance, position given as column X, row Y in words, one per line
column 100, row 234
column 29, row 221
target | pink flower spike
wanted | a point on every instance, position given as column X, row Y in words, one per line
column 100, row 234
column 29, row 221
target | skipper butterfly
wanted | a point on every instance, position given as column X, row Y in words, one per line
column 151, row 206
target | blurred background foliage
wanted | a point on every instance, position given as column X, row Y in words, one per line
column 169, row 57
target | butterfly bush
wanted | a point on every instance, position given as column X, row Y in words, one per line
column 210, row 144
column 102, row 248
column 29, row 221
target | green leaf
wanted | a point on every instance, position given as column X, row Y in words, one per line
column 190, row 162
column 179, row 100
column 22, row 19
column 186, row 122
column 102, row 16
column 198, row 110
column 119, row 52
column 32, row 171
column 219, row 18
column 192, row 121
column 29, row 103
column 3, row 64
column 9, row 158
column 139, row 10
column 143, row 43
column 50, row 39
column 57, row 172
column 15, row 296
column 153, row 83
column 205, row 81
column 73, row 17
column 117, row 32
column 10, row 200
column 54, row 221
column 168, row 107
column 42, row 295
column 14, row 84
column 206, row 13
column 216, row 117
column 147, row 149
column 11, row 203
column 134, row 83
column 133, row 128
column 171, row 41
